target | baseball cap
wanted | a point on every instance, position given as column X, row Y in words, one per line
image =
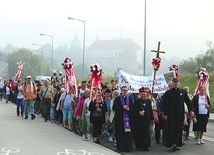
column 29, row 77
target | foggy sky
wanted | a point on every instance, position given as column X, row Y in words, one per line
column 182, row 26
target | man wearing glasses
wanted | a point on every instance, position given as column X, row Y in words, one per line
column 122, row 108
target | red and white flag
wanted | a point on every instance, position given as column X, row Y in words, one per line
column 19, row 70
column 203, row 80
column 96, row 77
column 174, row 68
column 70, row 79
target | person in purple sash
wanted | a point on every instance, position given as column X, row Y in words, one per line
column 122, row 108
column 143, row 116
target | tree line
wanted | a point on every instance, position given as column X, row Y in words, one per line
column 205, row 60
column 35, row 64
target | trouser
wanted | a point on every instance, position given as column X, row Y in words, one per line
column 1, row 93
column 158, row 128
column 12, row 97
column 46, row 103
column 75, row 123
column 20, row 103
column 7, row 97
column 52, row 113
column 37, row 106
column 29, row 107
column 186, row 127
column 59, row 116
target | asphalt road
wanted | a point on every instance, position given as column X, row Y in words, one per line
column 35, row 137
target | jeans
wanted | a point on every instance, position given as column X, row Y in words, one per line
column 7, row 97
column 52, row 113
column 29, row 106
column 20, row 103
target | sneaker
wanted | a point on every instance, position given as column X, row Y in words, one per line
column 83, row 137
column 183, row 142
column 178, row 148
column 115, row 144
column 89, row 137
column 26, row 117
column 198, row 142
column 33, row 116
column 110, row 139
column 201, row 141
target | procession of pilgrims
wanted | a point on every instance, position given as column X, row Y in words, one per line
column 129, row 119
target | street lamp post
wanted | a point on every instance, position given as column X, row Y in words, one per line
column 144, row 62
column 41, row 55
column 41, row 34
column 83, row 55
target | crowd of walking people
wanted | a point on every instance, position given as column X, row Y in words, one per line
column 128, row 119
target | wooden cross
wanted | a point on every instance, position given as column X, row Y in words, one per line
column 157, row 56
column 158, row 50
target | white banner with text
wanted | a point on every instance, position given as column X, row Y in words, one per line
column 135, row 82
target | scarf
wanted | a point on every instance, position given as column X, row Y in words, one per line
column 125, row 114
column 31, row 87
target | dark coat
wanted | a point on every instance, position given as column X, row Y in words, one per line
column 123, row 139
column 141, row 124
column 173, row 103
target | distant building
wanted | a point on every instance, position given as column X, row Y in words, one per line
column 113, row 54
column 76, row 51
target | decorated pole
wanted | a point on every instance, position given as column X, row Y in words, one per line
column 156, row 64
column 19, row 70
column 203, row 80
column 70, row 79
column 174, row 68
column 96, row 77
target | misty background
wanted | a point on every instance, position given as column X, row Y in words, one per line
column 183, row 27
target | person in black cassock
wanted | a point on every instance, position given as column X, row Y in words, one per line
column 122, row 108
column 173, row 103
column 143, row 115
